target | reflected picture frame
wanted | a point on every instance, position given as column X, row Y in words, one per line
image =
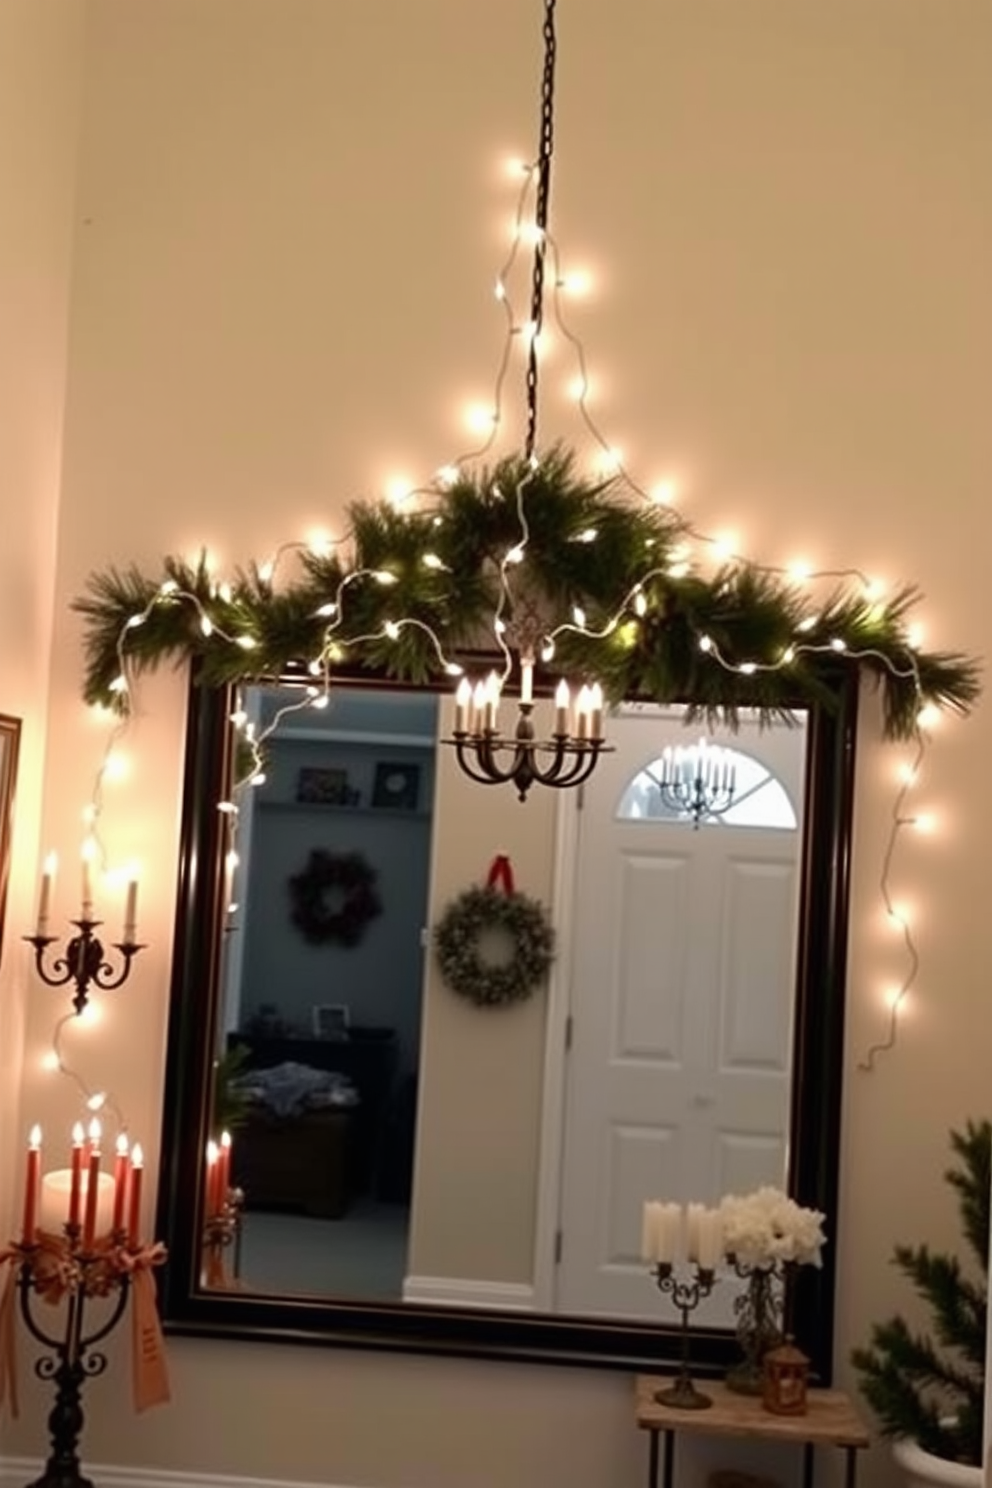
column 331, row 1021
column 10, row 743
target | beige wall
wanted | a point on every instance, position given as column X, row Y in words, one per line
column 482, row 1070
column 293, row 213
column 40, row 70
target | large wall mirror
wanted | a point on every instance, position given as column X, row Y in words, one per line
column 419, row 1172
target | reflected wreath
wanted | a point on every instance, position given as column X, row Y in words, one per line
column 494, row 907
column 334, row 898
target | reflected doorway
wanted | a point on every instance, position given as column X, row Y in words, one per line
column 319, row 1036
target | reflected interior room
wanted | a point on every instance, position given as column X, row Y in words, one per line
column 277, row 298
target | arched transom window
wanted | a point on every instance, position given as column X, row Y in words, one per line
column 760, row 799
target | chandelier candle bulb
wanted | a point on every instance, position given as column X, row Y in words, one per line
column 651, row 1227
column 121, row 1165
column 463, row 705
column 596, row 711
column 76, row 1176
column 45, row 896
column 563, row 703
column 478, row 708
column 527, row 681
column 134, row 1197
column 32, row 1184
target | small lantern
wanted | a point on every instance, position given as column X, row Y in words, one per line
column 786, row 1372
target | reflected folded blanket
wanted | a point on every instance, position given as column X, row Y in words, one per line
column 291, row 1089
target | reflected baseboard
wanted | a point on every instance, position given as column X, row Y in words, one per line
column 456, row 1291
column 16, row 1471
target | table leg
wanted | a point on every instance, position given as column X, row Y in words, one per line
column 851, row 1470
column 808, row 1461
column 669, row 1477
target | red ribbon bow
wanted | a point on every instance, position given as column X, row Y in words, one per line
column 501, row 874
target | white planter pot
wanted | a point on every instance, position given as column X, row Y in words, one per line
column 924, row 1471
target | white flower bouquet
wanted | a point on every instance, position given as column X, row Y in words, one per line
column 764, row 1229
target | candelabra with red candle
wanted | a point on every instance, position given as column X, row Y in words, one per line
column 78, row 1266
column 223, row 1210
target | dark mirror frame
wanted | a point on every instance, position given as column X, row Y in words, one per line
column 814, row 1142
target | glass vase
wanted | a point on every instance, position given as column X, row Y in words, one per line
column 758, row 1326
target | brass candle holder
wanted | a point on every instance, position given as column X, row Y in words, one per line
column 686, row 1292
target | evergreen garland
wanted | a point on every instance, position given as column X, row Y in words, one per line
column 441, row 570
column 932, row 1390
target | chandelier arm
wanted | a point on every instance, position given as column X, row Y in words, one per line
column 541, row 222
column 578, row 775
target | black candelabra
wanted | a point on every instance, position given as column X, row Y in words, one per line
column 83, row 961
column 72, row 1358
column 686, row 1293
column 562, row 761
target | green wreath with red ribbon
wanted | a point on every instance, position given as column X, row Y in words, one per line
column 488, row 911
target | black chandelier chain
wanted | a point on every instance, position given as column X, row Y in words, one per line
column 541, row 220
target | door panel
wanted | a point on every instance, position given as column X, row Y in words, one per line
column 682, row 969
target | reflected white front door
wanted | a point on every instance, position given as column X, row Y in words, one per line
column 682, row 964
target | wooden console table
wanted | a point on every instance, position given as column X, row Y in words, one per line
column 830, row 1421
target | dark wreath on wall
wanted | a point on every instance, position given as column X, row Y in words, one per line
column 334, row 898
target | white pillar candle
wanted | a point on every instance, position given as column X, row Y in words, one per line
column 596, row 711
column 670, row 1232
column 56, row 1187
column 693, row 1218
column 87, row 913
column 710, row 1239
column 649, row 1231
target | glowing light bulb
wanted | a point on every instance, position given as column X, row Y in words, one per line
column 578, row 390
column 838, row 644
column 227, row 808
column 587, row 535
column 808, row 623
column 895, row 998
column 169, row 587
column 579, row 616
column 266, row 571
column 609, row 461
column 247, row 642
column 50, row 1060
column 548, row 651
column 384, row 577
column 479, row 419
column 640, row 603
column 320, row 702
column 924, row 822
column 327, row 611
column 748, row 668
column 788, row 655
column 725, row 546
column 705, row 643
column 206, row 625
column 135, row 621
column 119, row 684
column 399, row 489
column 391, row 630
column 928, row 716
column 799, row 571
column 452, row 669
column 431, row 560
column 515, row 555
column 914, row 637
column 224, row 592
column 576, row 282
column 114, row 767
column 446, row 476
column 664, row 492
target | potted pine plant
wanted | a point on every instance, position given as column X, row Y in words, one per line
column 928, row 1388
